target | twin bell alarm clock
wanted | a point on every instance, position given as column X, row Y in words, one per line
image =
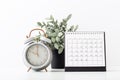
column 37, row 55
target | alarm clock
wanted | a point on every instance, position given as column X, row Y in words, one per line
column 37, row 55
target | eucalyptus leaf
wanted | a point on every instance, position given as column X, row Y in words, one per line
column 76, row 27
column 61, row 46
column 57, row 30
column 71, row 28
column 64, row 20
column 69, row 16
column 56, row 46
column 60, row 34
column 57, row 39
column 53, row 39
column 60, row 50
column 53, row 34
column 39, row 23
column 51, row 17
column 44, row 24
column 62, row 37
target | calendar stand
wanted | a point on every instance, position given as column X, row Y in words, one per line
column 85, row 51
column 77, row 69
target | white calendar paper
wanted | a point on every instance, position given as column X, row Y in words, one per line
column 84, row 49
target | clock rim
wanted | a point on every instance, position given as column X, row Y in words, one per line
column 27, row 63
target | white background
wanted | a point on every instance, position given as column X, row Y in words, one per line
column 18, row 17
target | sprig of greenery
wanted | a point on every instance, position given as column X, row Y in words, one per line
column 55, row 31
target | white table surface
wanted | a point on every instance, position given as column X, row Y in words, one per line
column 21, row 74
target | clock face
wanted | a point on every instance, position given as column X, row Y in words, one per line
column 37, row 55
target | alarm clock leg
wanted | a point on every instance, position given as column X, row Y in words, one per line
column 29, row 69
column 45, row 69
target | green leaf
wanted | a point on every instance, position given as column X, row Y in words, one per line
column 62, row 46
column 64, row 23
column 60, row 34
column 51, row 17
column 62, row 37
column 71, row 28
column 44, row 24
column 64, row 20
column 60, row 50
column 53, row 34
column 47, row 25
column 56, row 46
column 57, row 39
column 56, row 30
column 68, row 17
column 53, row 39
column 39, row 23
column 75, row 28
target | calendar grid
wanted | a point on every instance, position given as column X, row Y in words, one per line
column 84, row 49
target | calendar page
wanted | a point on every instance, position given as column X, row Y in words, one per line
column 84, row 49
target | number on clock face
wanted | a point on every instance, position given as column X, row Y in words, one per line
column 37, row 55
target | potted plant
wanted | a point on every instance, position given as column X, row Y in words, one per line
column 55, row 31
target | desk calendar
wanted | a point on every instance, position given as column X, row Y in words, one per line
column 85, row 51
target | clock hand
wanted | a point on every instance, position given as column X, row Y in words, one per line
column 37, row 51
